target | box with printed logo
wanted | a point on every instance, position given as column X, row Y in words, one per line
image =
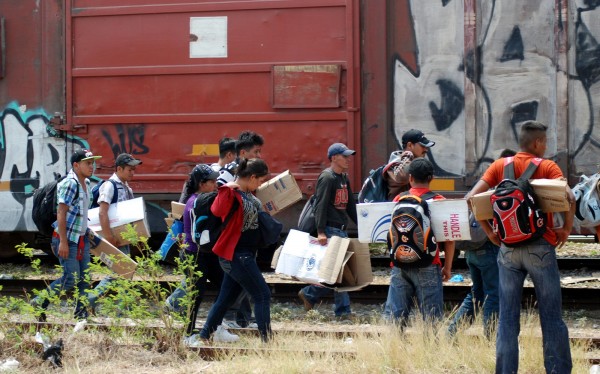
column 112, row 257
column 344, row 264
column 374, row 221
column 119, row 216
column 279, row 193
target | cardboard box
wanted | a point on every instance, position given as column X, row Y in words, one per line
column 279, row 193
column 551, row 194
column 169, row 221
column 344, row 264
column 119, row 215
column 450, row 219
column 177, row 209
column 374, row 221
column 112, row 257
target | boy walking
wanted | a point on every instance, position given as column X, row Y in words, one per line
column 417, row 275
column 70, row 242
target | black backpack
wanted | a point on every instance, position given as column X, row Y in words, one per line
column 96, row 193
column 518, row 218
column 306, row 221
column 410, row 239
column 45, row 206
column 206, row 227
column 375, row 188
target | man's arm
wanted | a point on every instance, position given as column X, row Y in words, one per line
column 105, row 224
column 322, row 201
column 61, row 216
column 448, row 258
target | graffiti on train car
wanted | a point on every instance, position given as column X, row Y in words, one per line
column 514, row 68
column 30, row 155
column 127, row 139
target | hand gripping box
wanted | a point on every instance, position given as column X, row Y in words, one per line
column 344, row 264
column 551, row 195
column 119, row 215
column 279, row 193
column 112, row 257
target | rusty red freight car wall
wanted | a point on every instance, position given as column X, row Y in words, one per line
column 166, row 81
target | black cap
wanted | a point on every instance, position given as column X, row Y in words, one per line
column 203, row 172
column 416, row 136
column 82, row 155
column 421, row 169
column 126, row 159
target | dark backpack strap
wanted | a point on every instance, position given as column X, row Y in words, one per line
column 531, row 168
column 509, row 168
column 428, row 195
column 115, row 197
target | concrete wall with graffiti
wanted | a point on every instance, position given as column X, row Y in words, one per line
column 484, row 67
column 30, row 156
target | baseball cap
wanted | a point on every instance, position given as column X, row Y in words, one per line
column 82, row 155
column 416, row 136
column 203, row 172
column 421, row 169
column 339, row 149
column 126, row 159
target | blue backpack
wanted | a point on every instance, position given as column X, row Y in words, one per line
column 96, row 193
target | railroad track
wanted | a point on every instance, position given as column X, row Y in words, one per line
column 372, row 294
column 564, row 263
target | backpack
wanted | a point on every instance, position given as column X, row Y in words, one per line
column 410, row 238
column 96, row 193
column 375, row 188
column 518, row 218
column 478, row 236
column 587, row 211
column 306, row 221
column 44, row 207
column 206, row 227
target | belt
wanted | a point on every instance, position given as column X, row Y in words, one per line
column 337, row 226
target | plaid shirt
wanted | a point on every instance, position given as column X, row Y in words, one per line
column 65, row 194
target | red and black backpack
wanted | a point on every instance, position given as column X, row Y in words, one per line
column 518, row 218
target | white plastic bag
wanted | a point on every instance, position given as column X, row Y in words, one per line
column 587, row 213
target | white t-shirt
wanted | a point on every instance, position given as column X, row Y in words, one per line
column 107, row 190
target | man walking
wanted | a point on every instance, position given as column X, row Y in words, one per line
column 334, row 203
column 537, row 258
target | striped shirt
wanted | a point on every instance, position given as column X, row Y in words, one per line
column 66, row 191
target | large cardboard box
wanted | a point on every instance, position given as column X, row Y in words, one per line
column 450, row 219
column 119, row 215
column 551, row 195
column 279, row 193
column 112, row 257
column 177, row 209
column 344, row 264
column 374, row 221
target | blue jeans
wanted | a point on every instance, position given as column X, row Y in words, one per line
column 104, row 284
column 423, row 283
column 483, row 267
column 75, row 273
column 242, row 273
column 341, row 300
column 537, row 259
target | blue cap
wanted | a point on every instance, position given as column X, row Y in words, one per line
column 339, row 149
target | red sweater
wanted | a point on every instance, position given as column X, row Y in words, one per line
column 225, row 245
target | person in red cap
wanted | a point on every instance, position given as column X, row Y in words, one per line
column 70, row 241
column 334, row 203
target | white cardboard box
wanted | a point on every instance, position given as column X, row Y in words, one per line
column 344, row 264
column 119, row 215
column 279, row 193
column 374, row 221
column 450, row 219
column 112, row 257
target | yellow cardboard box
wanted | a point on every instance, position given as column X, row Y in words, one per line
column 177, row 209
column 112, row 257
column 279, row 193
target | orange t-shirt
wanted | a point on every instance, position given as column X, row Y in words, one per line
column 546, row 170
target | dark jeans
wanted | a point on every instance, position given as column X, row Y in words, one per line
column 75, row 274
column 483, row 267
column 208, row 264
column 242, row 273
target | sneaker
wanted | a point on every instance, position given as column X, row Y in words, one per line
column 230, row 325
column 224, row 336
column 193, row 341
column 253, row 325
column 307, row 304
